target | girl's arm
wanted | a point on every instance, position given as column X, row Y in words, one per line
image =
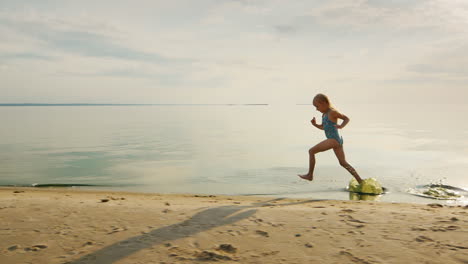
column 314, row 123
column 337, row 115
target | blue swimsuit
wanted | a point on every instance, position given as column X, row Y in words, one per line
column 330, row 130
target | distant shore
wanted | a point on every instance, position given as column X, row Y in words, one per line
column 109, row 104
column 78, row 226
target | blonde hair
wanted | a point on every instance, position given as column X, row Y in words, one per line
column 322, row 98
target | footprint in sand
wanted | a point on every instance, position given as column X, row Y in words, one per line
column 210, row 256
column 353, row 258
column 453, row 219
column 271, row 253
column 116, row 229
column 258, row 221
column 423, row 239
column 115, row 198
column 13, row 248
column 262, row 233
column 418, row 229
column 455, row 247
column 228, row 248
column 36, row 247
column 444, row 228
column 231, row 232
column 89, row 243
column 275, row 224
column 351, row 219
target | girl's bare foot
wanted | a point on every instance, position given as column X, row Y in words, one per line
column 306, row 177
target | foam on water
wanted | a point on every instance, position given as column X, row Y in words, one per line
column 439, row 192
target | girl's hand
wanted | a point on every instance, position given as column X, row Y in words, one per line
column 313, row 121
column 339, row 126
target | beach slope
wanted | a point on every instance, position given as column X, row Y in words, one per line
column 75, row 226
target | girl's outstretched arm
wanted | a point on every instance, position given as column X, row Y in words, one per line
column 314, row 123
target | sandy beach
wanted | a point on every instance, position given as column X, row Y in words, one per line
column 75, row 226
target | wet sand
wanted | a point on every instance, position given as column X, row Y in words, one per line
column 75, row 226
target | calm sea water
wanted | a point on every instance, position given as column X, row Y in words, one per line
column 239, row 150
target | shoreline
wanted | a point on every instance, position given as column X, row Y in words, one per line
column 387, row 197
column 100, row 226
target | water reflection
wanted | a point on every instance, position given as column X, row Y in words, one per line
column 227, row 150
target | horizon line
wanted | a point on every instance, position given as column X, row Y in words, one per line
column 120, row 104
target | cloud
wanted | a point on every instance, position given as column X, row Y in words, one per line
column 446, row 63
column 393, row 15
column 173, row 79
column 395, row 3
column 441, row 68
column 285, row 29
column 227, row 50
column 93, row 45
column 59, row 36
column 26, row 56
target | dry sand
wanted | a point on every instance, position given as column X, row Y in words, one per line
column 74, row 226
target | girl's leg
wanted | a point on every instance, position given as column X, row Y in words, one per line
column 322, row 146
column 339, row 152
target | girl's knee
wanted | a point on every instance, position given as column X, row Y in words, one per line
column 313, row 151
column 344, row 164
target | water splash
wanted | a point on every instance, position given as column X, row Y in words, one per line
column 367, row 186
column 439, row 191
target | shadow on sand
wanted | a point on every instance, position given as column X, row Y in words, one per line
column 201, row 221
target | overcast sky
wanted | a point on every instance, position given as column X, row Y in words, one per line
column 227, row 51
